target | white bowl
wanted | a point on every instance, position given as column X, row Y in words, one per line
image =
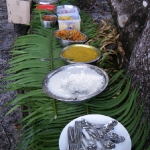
column 97, row 119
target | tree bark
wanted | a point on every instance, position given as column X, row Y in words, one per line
column 135, row 37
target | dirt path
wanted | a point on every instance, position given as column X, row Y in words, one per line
column 8, row 133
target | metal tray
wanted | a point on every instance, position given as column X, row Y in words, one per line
column 46, row 1
column 72, row 68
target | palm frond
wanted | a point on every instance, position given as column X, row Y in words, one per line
column 47, row 116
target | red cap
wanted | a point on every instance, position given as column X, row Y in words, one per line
column 46, row 7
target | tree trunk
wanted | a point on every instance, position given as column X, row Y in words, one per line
column 134, row 29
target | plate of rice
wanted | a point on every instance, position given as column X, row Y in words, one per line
column 75, row 83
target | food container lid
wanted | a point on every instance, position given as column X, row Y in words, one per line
column 67, row 9
column 46, row 7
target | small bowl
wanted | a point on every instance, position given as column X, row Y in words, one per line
column 68, row 89
column 49, row 21
column 65, row 43
column 81, row 46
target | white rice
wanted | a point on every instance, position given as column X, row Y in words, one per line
column 75, row 83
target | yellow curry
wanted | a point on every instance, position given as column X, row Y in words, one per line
column 80, row 54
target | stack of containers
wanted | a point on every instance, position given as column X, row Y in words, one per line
column 69, row 17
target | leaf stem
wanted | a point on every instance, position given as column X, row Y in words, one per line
column 87, row 109
column 51, row 68
column 51, row 53
column 54, row 108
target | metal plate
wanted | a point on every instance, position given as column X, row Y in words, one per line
column 46, row 1
column 65, row 43
column 73, row 67
column 81, row 45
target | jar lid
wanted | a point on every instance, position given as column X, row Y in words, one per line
column 46, row 7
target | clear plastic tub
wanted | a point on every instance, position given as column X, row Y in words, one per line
column 70, row 24
column 67, row 9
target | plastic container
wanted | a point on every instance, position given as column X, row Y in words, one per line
column 70, row 24
column 67, row 9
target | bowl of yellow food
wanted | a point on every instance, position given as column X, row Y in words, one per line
column 80, row 53
column 69, row 37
